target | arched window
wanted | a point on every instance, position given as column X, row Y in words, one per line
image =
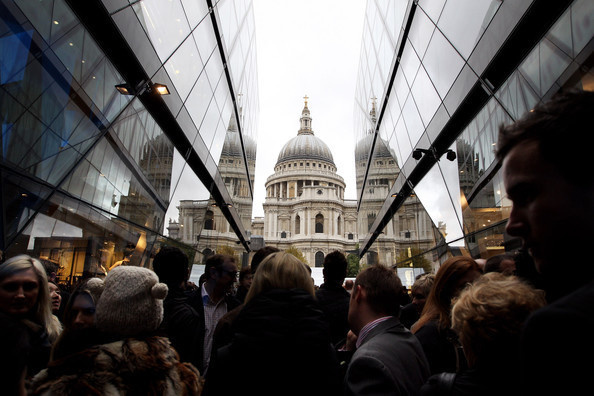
column 319, row 224
column 370, row 220
column 297, row 224
column 372, row 258
column 319, row 259
column 209, row 220
column 339, row 225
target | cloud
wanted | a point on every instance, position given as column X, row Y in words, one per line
column 313, row 48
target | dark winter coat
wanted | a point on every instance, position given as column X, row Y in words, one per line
column 441, row 348
column 496, row 377
column 409, row 314
column 334, row 301
column 184, row 326
column 557, row 345
column 281, row 345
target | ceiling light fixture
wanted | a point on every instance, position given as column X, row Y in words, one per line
column 124, row 89
column 127, row 89
column 161, row 89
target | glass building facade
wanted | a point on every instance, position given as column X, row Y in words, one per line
column 88, row 172
column 436, row 80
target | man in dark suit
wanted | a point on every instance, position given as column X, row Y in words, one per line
column 388, row 359
column 182, row 324
column 547, row 172
column 333, row 298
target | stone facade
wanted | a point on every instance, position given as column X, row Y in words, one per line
column 304, row 205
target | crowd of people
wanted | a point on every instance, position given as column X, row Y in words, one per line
column 505, row 325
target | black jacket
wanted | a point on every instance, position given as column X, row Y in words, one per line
column 184, row 326
column 498, row 376
column 558, row 344
column 280, row 346
column 334, row 301
column 441, row 348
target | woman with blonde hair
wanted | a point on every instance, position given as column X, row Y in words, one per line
column 433, row 327
column 281, row 271
column 25, row 296
column 281, row 342
column 488, row 317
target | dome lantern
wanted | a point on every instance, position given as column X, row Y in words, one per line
column 305, row 119
column 305, row 146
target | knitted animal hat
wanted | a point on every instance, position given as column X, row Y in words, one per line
column 130, row 302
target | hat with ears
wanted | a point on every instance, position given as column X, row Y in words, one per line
column 131, row 301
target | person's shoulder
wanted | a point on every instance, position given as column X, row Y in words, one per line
column 429, row 330
column 232, row 302
column 581, row 300
column 439, row 384
column 332, row 293
column 409, row 310
column 577, row 307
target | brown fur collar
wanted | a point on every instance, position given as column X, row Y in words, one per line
column 132, row 366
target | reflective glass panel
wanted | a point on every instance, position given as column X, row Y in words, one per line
column 443, row 63
column 165, row 24
column 434, row 193
column 464, row 22
column 426, row 98
column 412, row 120
column 184, row 67
column 420, row 33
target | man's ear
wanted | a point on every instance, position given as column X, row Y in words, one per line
column 359, row 293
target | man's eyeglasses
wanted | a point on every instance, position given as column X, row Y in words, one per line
column 232, row 274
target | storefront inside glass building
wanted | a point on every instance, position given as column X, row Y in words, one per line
column 94, row 160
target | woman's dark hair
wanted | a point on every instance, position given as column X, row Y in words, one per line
column 445, row 288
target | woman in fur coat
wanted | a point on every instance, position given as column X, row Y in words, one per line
column 127, row 357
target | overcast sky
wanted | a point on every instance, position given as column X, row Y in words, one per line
column 312, row 48
column 303, row 47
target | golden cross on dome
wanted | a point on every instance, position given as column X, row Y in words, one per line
column 305, row 97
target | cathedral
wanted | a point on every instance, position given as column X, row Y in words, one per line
column 304, row 207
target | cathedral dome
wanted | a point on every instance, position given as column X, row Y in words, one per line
column 232, row 144
column 381, row 149
column 305, row 146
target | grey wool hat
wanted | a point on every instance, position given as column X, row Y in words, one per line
column 131, row 301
